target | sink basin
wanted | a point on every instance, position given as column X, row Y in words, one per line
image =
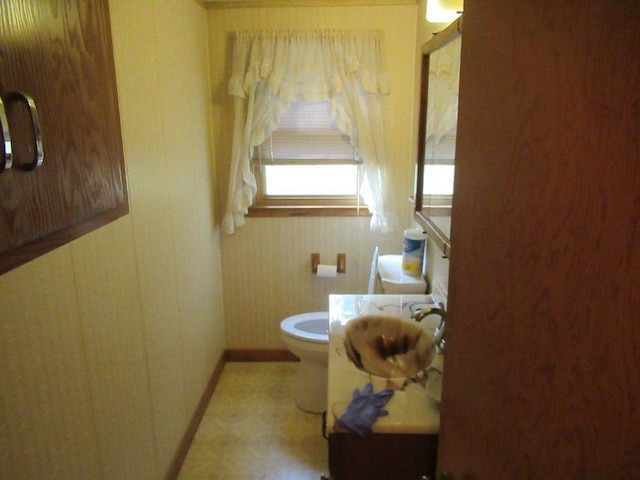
column 389, row 347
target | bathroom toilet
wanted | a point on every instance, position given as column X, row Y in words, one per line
column 306, row 335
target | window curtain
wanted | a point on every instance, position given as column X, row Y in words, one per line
column 271, row 69
column 442, row 101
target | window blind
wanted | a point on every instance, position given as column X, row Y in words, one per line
column 306, row 135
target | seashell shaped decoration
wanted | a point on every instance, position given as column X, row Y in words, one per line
column 388, row 347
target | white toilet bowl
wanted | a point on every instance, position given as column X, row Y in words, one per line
column 307, row 336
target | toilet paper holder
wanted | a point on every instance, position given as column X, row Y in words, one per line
column 341, row 262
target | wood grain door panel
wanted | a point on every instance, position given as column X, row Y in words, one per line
column 543, row 334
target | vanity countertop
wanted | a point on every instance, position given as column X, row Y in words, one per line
column 411, row 410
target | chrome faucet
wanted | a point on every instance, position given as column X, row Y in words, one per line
column 438, row 333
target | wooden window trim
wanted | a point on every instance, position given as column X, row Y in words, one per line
column 307, row 211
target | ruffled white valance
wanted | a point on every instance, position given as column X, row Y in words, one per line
column 274, row 68
column 308, row 65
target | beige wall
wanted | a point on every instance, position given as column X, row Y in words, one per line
column 266, row 263
column 106, row 344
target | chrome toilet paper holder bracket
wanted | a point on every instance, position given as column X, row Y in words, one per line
column 341, row 262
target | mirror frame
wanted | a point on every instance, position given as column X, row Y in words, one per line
column 422, row 212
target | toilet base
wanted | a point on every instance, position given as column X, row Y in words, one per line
column 311, row 387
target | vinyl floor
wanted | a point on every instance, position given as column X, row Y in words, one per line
column 252, row 429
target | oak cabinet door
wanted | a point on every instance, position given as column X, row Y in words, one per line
column 57, row 80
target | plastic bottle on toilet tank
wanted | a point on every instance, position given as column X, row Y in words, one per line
column 413, row 245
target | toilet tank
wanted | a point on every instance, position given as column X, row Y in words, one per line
column 395, row 281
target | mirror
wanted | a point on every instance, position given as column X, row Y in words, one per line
column 437, row 134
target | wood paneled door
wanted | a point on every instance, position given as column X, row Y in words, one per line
column 543, row 337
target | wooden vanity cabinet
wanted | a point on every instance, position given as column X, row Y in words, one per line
column 382, row 456
column 59, row 54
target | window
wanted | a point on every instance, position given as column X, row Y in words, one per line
column 342, row 67
column 306, row 162
column 439, row 173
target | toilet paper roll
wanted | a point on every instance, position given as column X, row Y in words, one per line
column 327, row 271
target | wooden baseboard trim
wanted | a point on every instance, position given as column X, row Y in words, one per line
column 257, row 355
column 194, row 423
column 232, row 355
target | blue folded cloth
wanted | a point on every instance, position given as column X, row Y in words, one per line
column 364, row 410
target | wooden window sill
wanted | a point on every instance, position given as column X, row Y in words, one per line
column 307, row 211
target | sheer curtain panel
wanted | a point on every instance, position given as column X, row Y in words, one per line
column 272, row 69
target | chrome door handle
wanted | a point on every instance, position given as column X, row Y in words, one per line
column 7, row 155
column 37, row 134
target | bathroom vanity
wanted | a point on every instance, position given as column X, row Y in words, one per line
column 402, row 444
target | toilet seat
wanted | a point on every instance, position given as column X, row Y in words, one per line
column 294, row 327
